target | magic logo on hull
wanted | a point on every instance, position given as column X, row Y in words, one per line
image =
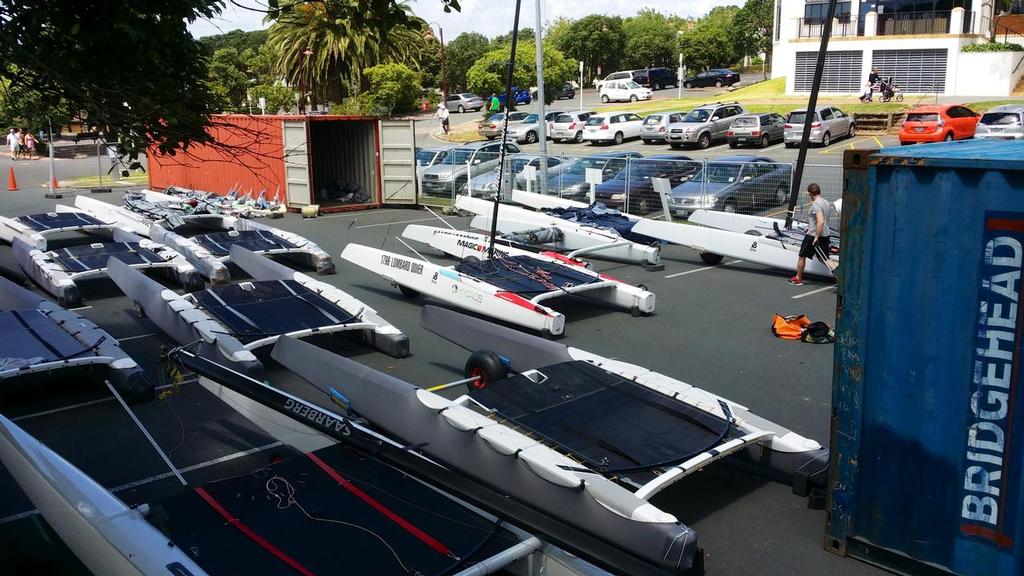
column 990, row 474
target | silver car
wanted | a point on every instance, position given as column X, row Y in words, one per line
column 528, row 130
column 464, row 101
column 1003, row 122
column 703, row 125
column 487, row 183
column 655, row 128
column 568, row 126
column 828, row 124
column 491, row 128
column 426, row 157
column 756, row 130
column 462, row 163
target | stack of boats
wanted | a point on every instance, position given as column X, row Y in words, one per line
column 550, row 447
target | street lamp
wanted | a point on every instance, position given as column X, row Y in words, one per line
column 444, row 77
column 302, row 80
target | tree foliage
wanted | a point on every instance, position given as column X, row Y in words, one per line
column 393, row 87
column 240, row 40
column 650, row 40
column 228, row 78
column 751, row 30
column 490, row 73
column 708, row 44
column 526, row 35
column 460, row 54
column 597, row 40
column 277, row 98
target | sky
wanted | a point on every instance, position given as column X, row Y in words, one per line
column 488, row 17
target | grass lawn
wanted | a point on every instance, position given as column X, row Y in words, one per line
column 136, row 179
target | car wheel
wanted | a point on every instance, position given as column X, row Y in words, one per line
column 704, row 141
column 675, row 146
column 687, row 85
column 948, row 137
column 780, row 195
column 657, row 86
column 764, row 141
column 853, row 130
column 604, row 98
column 790, row 145
column 734, row 145
column 718, row 83
column 491, row 137
column 531, row 137
column 579, row 137
column 730, row 206
column 618, row 137
column 462, row 109
column 711, row 259
column 826, row 139
column 632, row 97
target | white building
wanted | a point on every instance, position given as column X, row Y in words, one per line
column 917, row 42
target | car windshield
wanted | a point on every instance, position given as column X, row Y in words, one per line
column 428, row 157
column 469, row 96
column 718, row 173
column 580, row 168
column 563, row 119
column 632, row 85
column 698, row 116
column 595, row 121
column 1001, row 119
column 797, row 117
column 744, row 122
column 922, row 117
column 653, row 119
column 459, row 156
column 496, row 117
column 519, row 163
column 529, row 119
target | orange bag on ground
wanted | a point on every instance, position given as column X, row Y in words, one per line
column 789, row 327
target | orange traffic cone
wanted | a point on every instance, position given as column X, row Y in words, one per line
column 12, row 184
column 53, row 182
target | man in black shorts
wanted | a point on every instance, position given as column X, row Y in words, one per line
column 816, row 236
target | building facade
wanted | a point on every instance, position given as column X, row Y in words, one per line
column 917, row 42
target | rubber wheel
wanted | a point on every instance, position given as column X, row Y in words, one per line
column 675, row 146
column 734, row 145
column 632, row 97
column 764, row 141
column 853, row 130
column 491, row 137
column 711, row 259
column 718, row 83
column 899, row 97
column 790, row 145
column 604, row 98
column 780, row 195
column 687, row 85
column 730, row 207
column 487, row 366
column 657, row 87
column 704, row 141
column 826, row 139
column 408, row 292
column 579, row 137
column 462, row 109
column 948, row 137
column 618, row 137
column 531, row 137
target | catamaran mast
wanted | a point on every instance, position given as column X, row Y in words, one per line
column 509, row 102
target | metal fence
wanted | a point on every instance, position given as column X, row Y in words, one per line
column 630, row 184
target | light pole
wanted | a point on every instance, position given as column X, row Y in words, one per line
column 302, row 80
column 444, row 75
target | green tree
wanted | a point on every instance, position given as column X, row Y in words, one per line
column 490, row 73
column 598, row 41
column 276, row 96
column 650, row 40
column 708, row 45
column 238, row 39
column 229, row 78
column 460, row 54
column 556, row 32
column 394, row 87
column 525, row 35
column 751, row 30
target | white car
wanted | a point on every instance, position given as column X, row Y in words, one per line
column 612, row 127
column 624, row 91
column 568, row 126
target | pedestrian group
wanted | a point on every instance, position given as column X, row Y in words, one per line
column 22, row 144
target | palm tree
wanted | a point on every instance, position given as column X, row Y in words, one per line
column 325, row 45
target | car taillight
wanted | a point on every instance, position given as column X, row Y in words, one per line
column 604, row 126
column 571, row 126
column 755, row 132
column 494, row 125
column 787, row 126
column 815, row 124
column 730, row 133
column 662, row 129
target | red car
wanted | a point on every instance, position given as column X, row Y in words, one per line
column 937, row 123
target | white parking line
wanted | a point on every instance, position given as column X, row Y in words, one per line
column 699, row 269
column 80, row 308
column 130, row 338
column 822, row 289
column 165, row 475
column 91, row 402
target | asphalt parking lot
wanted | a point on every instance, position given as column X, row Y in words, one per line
column 710, row 328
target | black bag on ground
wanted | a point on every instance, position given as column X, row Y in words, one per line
column 818, row 333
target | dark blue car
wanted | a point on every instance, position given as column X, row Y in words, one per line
column 634, row 182
column 519, row 96
column 572, row 183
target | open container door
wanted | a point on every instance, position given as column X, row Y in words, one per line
column 296, row 163
column 398, row 161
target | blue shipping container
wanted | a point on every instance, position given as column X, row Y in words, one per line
column 927, row 441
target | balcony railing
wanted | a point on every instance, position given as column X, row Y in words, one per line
column 928, row 22
column 812, row 27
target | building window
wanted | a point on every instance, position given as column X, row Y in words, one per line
column 814, row 12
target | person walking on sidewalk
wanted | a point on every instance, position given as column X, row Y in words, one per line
column 12, row 143
column 817, row 236
column 30, row 144
column 442, row 117
column 22, row 148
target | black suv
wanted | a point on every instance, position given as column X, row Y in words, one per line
column 658, row 78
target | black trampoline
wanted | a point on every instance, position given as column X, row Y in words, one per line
column 94, row 256
column 220, row 243
column 525, row 275
column 607, row 422
column 255, row 310
column 57, row 220
column 367, row 518
column 32, row 335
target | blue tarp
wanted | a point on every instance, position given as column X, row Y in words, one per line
column 599, row 215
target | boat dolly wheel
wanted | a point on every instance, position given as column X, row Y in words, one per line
column 487, row 367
